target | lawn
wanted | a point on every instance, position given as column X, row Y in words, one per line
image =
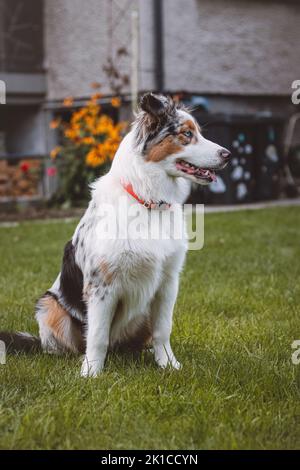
column 236, row 317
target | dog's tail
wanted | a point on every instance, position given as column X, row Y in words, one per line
column 20, row 343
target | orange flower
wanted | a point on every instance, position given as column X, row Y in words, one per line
column 71, row 133
column 94, row 158
column 116, row 102
column 55, row 123
column 68, row 102
column 93, row 133
column 96, row 97
column 178, row 97
column 55, row 152
column 96, row 85
column 78, row 115
column 88, row 141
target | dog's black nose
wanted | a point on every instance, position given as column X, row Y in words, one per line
column 225, row 154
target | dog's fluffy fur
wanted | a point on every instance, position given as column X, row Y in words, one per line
column 112, row 293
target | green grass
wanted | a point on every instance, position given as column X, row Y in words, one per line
column 236, row 317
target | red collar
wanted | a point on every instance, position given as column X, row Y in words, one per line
column 148, row 204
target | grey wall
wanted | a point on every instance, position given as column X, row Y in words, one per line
column 75, row 42
column 239, row 47
column 78, row 42
column 232, row 46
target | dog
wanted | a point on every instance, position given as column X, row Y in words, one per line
column 112, row 293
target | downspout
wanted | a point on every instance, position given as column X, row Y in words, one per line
column 158, row 45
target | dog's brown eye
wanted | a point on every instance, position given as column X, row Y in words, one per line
column 188, row 134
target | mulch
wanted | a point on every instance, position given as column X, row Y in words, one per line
column 33, row 213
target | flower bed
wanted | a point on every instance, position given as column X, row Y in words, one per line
column 89, row 141
column 20, row 178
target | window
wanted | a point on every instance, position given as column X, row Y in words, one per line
column 21, row 36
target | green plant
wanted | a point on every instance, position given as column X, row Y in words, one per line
column 90, row 141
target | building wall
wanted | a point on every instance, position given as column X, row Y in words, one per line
column 231, row 46
column 75, row 44
column 80, row 37
column 217, row 47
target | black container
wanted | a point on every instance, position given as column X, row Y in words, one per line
column 253, row 172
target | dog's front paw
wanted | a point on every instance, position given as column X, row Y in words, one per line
column 176, row 365
column 166, row 362
column 165, row 357
column 91, row 368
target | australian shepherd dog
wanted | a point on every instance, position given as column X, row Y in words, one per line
column 113, row 292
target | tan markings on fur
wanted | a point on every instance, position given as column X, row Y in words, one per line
column 141, row 268
column 62, row 325
column 188, row 125
column 141, row 336
column 107, row 273
column 163, row 149
column 136, row 337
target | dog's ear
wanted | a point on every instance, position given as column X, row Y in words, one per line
column 156, row 111
column 154, row 105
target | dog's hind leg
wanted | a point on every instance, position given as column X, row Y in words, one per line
column 59, row 331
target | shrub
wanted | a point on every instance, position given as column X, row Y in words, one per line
column 89, row 142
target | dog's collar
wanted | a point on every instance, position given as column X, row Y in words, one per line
column 162, row 205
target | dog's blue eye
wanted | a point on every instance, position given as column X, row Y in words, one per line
column 188, row 134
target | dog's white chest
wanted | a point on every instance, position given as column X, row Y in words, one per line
column 141, row 275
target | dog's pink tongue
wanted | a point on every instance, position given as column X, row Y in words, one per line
column 213, row 176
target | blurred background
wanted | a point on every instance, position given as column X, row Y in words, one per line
column 63, row 61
